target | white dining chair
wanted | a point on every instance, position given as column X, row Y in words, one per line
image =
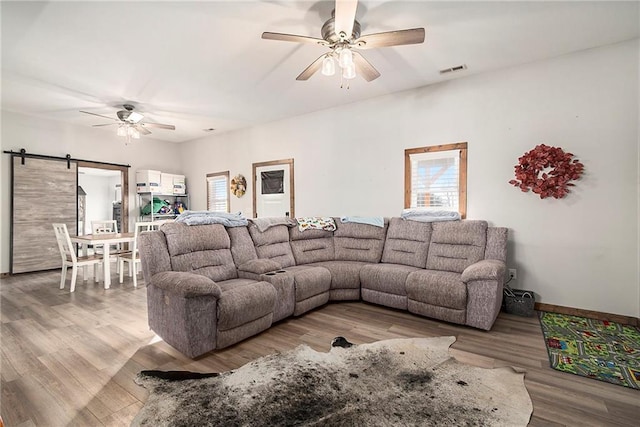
column 104, row 226
column 70, row 259
column 133, row 257
column 108, row 226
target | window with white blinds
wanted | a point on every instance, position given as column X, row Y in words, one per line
column 218, row 192
column 435, row 178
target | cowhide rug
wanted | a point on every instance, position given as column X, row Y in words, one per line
column 393, row 382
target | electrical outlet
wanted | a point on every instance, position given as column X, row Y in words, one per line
column 513, row 274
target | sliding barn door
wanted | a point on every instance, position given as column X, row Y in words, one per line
column 43, row 192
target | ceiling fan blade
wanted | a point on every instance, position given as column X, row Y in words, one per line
column 142, row 130
column 344, row 17
column 293, row 38
column 105, row 124
column 159, row 125
column 390, row 38
column 311, row 69
column 100, row 115
column 364, row 67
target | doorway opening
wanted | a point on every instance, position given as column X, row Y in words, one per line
column 106, row 195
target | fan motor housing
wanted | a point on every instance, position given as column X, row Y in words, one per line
column 329, row 31
column 123, row 114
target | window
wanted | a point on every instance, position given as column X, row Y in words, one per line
column 272, row 182
column 436, row 178
column 218, row 191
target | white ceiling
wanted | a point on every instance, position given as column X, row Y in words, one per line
column 202, row 65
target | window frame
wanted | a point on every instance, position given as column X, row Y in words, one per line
column 462, row 173
column 226, row 175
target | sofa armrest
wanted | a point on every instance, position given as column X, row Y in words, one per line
column 185, row 284
column 484, row 281
column 259, row 266
column 488, row 269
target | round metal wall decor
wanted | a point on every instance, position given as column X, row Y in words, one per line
column 547, row 171
column 238, row 185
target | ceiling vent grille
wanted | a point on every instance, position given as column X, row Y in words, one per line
column 453, row 69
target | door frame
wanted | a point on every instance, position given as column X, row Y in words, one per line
column 124, row 182
column 292, row 193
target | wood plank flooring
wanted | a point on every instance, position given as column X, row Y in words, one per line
column 70, row 359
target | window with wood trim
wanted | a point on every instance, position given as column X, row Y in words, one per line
column 218, row 191
column 435, row 178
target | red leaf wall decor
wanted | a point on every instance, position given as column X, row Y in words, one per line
column 547, row 171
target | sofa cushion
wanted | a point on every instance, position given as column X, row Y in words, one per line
column 311, row 245
column 359, row 242
column 310, row 281
column 344, row 274
column 455, row 245
column 384, row 298
column 437, row 288
column 273, row 243
column 497, row 243
column 407, row 242
column 387, row 278
column 243, row 301
column 242, row 248
column 200, row 249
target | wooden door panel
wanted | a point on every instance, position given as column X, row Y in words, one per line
column 44, row 191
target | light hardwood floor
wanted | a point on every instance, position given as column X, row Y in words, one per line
column 70, row 359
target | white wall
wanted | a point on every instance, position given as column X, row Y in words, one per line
column 41, row 136
column 581, row 251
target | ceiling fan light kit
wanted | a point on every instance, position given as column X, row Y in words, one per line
column 130, row 123
column 349, row 72
column 345, row 58
column 328, row 66
column 341, row 34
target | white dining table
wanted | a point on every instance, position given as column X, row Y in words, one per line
column 105, row 239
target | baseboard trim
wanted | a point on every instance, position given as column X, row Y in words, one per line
column 618, row 318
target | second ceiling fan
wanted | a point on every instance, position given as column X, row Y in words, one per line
column 341, row 34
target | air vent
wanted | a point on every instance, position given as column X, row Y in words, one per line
column 452, row 69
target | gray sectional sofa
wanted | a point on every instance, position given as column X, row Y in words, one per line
column 210, row 287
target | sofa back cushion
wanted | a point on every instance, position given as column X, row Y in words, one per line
column 200, row 249
column 359, row 242
column 311, row 245
column 273, row 243
column 497, row 243
column 455, row 245
column 407, row 243
column 242, row 247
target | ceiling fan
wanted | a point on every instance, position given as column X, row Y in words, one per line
column 341, row 34
column 130, row 123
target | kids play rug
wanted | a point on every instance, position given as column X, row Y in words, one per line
column 602, row 350
column 392, row 382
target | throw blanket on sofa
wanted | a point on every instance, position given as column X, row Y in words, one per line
column 262, row 224
column 207, row 217
column 377, row 221
column 325, row 223
column 424, row 215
